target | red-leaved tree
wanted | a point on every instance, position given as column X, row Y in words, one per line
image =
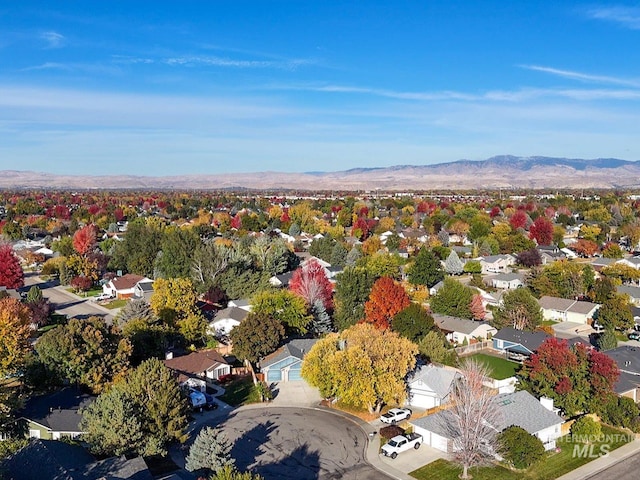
column 519, row 219
column 310, row 282
column 477, row 308
column 585, row 248
column 84, row 240
column 541, row 231
column 11, row 275
column 387, row 298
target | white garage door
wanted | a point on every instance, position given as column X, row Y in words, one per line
column 438, row 442
column 421, row 401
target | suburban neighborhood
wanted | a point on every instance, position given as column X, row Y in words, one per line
column 353, row 306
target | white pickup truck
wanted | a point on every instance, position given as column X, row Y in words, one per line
column 400, row 443
column 395, row 415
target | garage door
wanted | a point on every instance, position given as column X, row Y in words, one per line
column 294, row 374
column 422, row 401
column 274, row 375
column 438, row 442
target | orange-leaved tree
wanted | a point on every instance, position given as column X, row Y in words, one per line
column 85, row 239
column 387, row 298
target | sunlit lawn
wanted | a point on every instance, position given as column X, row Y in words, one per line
column 119, row 303
column 500, row 368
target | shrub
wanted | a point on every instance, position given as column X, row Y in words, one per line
column 390, row 431
column 520, row 448
column 585, row 430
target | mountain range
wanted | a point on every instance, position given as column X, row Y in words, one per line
column 504, row 171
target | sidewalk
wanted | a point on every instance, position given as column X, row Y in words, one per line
column 598, row 465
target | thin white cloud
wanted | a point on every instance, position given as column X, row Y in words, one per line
column 628, row 17
column 47, row 66
column 53, row 39
column 583, row 77
column 190, row 61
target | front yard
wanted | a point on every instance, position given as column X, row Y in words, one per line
column 500, row 368
column 240, row 392
column 553, row 465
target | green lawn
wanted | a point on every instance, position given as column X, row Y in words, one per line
column 89, row 293
column 116, row 304
column 551, row 466
column 240, row 392
column 549, row 323
column 500, row 368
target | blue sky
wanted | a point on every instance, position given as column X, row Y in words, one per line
column 163, row 88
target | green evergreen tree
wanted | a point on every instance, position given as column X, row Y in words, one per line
column 338, row 256
column 453, row 299
column 426, row 269
column 453, row 265
column 414, row 322
column 607, row 340
column 353, row 286
column 34, row 294
column 211, row 451
column 321, row 323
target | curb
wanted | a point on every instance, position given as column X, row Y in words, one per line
column 599, row 465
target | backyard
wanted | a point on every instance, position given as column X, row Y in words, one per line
column 500, row 368
column 553, row 465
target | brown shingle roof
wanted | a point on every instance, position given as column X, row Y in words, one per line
column 126, row 282
column 197, row 362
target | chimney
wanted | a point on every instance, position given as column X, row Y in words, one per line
column 547, row 403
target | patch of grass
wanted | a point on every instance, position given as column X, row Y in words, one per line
column 119, row 303
column 500, row 368
column 89, row 293
column 549, row 323
column 240, row 392
column 553, row 465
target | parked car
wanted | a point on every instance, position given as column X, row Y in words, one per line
column 634, row 336
column 400, row 443
column 211, row 403
column 395, row 415
column 103, row 296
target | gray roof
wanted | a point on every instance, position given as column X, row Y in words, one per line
column 519, row 408
column 566, row 305
column 456, row 324
column 626, row 381
column 295, row 348
column 506, row 277
column 633, row 292
column 439, row 379
column 603, row 262
column 58, row 411
column 496, row 258
column 632, row 260
column 529, row 340
column 627, row 358
column 235, row 313
column 242, row 302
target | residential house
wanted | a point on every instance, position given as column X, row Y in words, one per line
column 518, row 344
column 282, row 280
column 143, row 290
column 599, row 263
column 458, row 330
column 505, row 281
column 226, row 320
column 53, row 416
column 550, row 254
column 628, row 360
column 51, row 460
column 433, row 290
column 124, row 286
column 632, row 291
column 564, row 310
column 198, row 369
column 633, row 262
column 519, row 409
column 497, row 263
column 242, row 303
column 285, row 364
column 429, row 386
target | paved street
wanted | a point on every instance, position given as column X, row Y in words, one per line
column 298, row 444
column 65, row 303
column 626, row 469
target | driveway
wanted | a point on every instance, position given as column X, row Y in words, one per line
column 295, row 394
column 298, row 444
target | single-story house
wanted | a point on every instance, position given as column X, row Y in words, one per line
column 198, row 368
column 516, row 409
column 550, row 254
column 518, row 344
column 497, row 263
column 433, row 290
column 143, row 290
column 53, row 416
column 281, row 280
column 632, row 291
column 429, row 386
column 628, row 360
column 505, row 281
column 48, row 459
column 599, row 263
column 226, row 320
column 285, row 364
column 458, row 330
column 124, row 286
column 633, row 262
column 564, row 310
column 242, row 303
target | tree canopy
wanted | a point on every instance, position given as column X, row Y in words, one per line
column 426, row 269
column 387, row 298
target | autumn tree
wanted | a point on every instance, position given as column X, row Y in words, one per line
column 15, row 320
column 84, row 240
column 310, row 282
column 230, row 473
column 477, row 307
column 11, row 275
column 387, row 298
column 541, row 231
column 426, row 269
column 85, row 351
column 584, row 248
column 256, row 336
column 362, row 365
column 470, row 420
column 435, row 348
column 414, row 322
column 140, row 414
column 453, row 299
column 529, row 258
column 519, row 310
column 284, row 306
column 173, row 298
column 615, row 312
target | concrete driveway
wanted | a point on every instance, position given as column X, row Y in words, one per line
column 413, row 459
column 299, row 444
column 295, row 394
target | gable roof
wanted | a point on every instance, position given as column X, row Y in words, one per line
column 127, row 281
column 627, row 358
column 60, row 411
column 519, row 408
column 456, row 324
column 196, row 363
column 496, row 258
column 295, row 348
column 439, row 379
column 530, row 340
column 633, row 292
column 565, row 305
column 234, row 313
column 506, row 277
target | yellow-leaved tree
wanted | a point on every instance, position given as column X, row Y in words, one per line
column 363, row 366
column 15, row 319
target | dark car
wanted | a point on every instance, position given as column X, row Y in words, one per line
column 634, row 336
column 211, row 403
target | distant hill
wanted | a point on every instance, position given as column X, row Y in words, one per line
column 504, row 171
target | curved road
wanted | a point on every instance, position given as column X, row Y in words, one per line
column 299, row 444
